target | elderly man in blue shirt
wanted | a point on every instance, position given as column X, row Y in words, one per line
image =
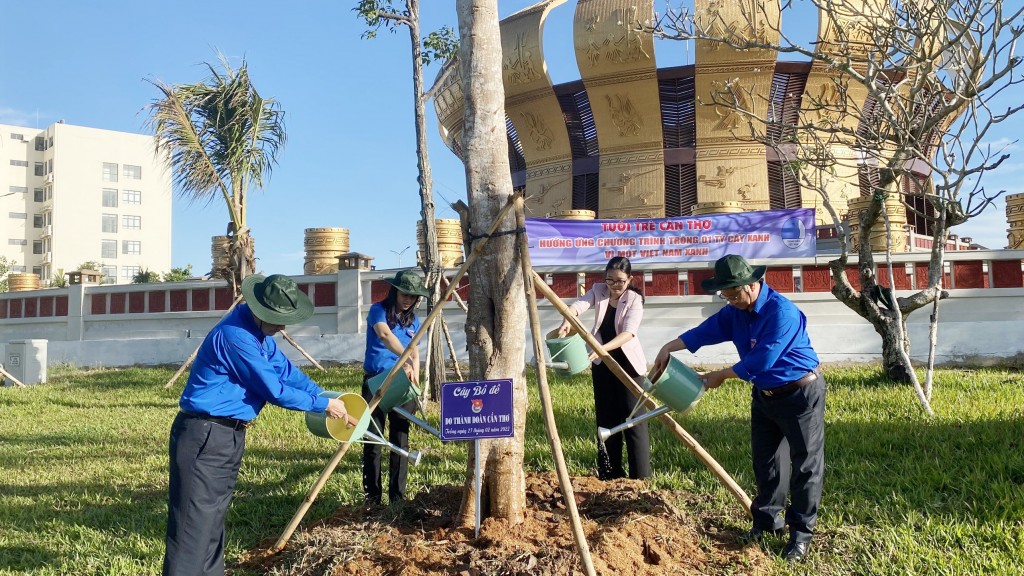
column 237, row 371
column 787, row 410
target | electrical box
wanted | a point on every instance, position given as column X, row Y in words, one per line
column 26, row 361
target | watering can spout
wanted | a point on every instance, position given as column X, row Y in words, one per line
column 603, row 434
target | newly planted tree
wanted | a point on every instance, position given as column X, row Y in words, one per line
column 496, row 320
column 897, row 115
column 222, row 139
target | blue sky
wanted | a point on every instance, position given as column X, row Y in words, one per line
column 350, row 159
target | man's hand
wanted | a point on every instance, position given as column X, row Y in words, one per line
column 661, row 361
column 715, row 379
column 336, row 409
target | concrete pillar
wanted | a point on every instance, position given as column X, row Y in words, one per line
column 350, row 299
column 76, row 311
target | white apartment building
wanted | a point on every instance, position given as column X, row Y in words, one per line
column 71, row 194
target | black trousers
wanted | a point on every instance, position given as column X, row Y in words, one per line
column 612, row 404
column 787, row 437
column 204, row 461
column 398, row 467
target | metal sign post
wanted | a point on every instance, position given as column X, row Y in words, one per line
column 476, row 410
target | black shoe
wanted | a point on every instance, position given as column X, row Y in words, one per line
column 758, row 535
column 796, row 551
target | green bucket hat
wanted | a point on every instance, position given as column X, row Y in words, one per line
column 276, row 299
column 731, row 271
column 409, row 282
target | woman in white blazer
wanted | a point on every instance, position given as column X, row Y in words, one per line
column 619, row 308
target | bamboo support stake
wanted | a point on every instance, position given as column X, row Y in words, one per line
column 311, row 495
column 301, row 351
column 457, row 298
column 188, row 361
column 632, row 386
column 6, row 374
column 545, row 398
column 451, row 349
column 333, row 462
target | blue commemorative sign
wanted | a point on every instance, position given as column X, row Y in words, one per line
column 476, row 409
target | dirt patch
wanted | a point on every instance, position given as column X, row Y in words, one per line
column 630, row 529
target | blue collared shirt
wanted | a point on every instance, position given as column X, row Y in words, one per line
column 378, row 357
column 771, row 339
column 239, row 369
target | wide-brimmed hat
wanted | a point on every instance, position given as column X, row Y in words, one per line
column 409, row 282
column 276, row 299
column 731, row 271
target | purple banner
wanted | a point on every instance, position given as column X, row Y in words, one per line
column 476, row 409
column 765, row 234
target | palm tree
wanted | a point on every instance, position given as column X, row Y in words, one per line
column 222, row 138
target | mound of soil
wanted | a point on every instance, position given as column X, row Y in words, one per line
column 630, row 529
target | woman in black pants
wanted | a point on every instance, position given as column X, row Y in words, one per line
column 619, row 308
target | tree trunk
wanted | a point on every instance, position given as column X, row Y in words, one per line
column 893, row 349
column 431, row 257
column 496, row 320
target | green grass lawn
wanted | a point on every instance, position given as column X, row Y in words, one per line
column 83, row 470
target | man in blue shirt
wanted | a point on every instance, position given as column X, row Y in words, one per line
column 237, row 371
column 787, row 411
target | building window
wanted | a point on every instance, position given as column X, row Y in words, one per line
column 18, row 189
column 19, row 269
column 133, row 247
column 109, row 274
column 38, row 271
column 109, row 172
column 17, row 136
column 110, row 223
column 49, row 192
column 40, row 169
column 128, row 272
column 110, row 197
column 108, row 248
column 38, row 195
column 18, row 215
column 37, row 246
column 38, row 221
column 49, row 168
column 19, row 163
column 40, row 143
column 131, row 197
column 132, row 172
column 131, row 222
column 17, row 242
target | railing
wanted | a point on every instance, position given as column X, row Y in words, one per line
column 963, row 270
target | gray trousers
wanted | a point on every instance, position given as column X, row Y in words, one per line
column 204, row 461
column 787, row 437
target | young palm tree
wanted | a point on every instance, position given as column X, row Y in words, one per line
column 222, row 138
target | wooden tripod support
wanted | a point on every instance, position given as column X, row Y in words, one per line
column 564, row 481
column 344, row 446
column 7, row 375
